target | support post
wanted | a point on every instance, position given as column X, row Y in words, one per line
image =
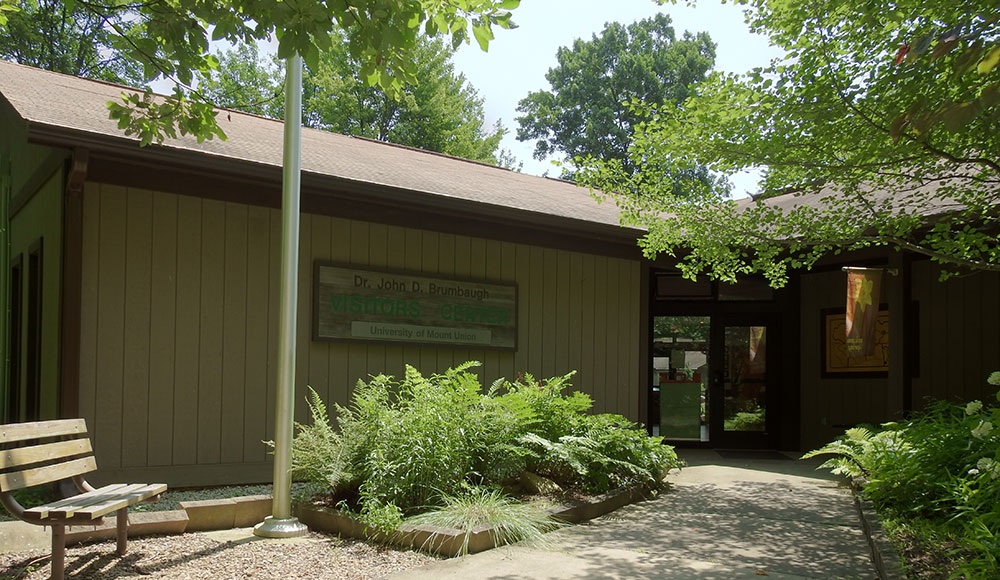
column 281, row 523
column 121, row 527
column 58, row 566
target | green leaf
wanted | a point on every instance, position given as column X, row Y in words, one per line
column 221, row 30
column 286, row 46
column 483, row 36
column 956, row 116
column 896, row 127
column 942, row 48
column 968, row 58
column 311, row 57
column 990, row 96
column 921, row 44
column 510, row 4
column 990, row 61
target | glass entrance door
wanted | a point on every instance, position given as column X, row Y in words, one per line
column 744, row 378
column 744, row 384
column 712, row 382
column 681, row 377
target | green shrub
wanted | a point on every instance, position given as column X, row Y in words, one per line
column 746, row 421
column 404, row 445
column 604, row 452
column 942, row 466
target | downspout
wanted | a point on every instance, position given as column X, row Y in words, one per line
column 72, row 285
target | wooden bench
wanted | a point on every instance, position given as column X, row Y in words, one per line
column 48, row 451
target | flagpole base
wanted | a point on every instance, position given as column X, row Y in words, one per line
column 273, row 527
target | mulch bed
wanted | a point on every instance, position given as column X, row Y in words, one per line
column 199, row 556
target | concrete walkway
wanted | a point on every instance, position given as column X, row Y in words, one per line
column 723, row 518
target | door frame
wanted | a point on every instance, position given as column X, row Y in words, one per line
column 769, row 314
column 718, row 437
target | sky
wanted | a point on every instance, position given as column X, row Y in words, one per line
column 518, row 59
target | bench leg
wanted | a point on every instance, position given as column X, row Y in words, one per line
column 121, row 522
column 58, row 551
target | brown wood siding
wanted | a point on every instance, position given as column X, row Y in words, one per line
column 959, row 335
column 179, row 325
column 830, row 404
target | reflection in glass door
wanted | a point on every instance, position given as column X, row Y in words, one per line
column 681, row 377
column 744, row 379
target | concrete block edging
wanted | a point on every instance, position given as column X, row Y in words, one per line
column 887, row 562
column 239, row 512
column 194, row 516
column 450, row 542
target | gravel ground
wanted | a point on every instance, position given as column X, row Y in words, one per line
column 200, row 556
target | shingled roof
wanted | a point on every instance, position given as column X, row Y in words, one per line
column 50, row 101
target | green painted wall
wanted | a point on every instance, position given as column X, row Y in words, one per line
column 39, row 220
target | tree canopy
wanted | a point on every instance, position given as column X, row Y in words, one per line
column 73, row 40
column 586, row 111
column 174, row 43
column 882, row 123
column 441, row 113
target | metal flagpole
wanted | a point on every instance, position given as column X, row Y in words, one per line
column 281, row 523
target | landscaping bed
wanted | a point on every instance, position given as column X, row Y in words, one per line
column 200, row 556
column 446, row 541
column 934, row 480
column 415, row 457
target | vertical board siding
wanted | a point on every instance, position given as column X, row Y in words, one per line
column 89, row 293
column 187, row 329
column 274, row 287
column 111, row 326
column 959, row 335
column 340, row 386
column 319, row 352
column 234, row 331
column 302, row 330
column 256, row 342
column 829, row 405
column 597, row 381
column 138, row 256
column 213, row 260
column 959, row 345
column 162, row 335
column 180, row 307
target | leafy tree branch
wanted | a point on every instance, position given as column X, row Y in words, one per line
column 881, row 127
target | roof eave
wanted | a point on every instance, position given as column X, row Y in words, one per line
column 335, row 187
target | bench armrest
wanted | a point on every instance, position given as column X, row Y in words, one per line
column 81, row 484
column 11, row 505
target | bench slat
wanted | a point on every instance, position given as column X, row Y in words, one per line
column 79, row 502
column 43, row 510
column 134, row 497
column 26, row 456
column 24, row 431
column 39, row 475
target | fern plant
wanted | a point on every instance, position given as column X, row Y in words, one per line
column 403, row 445
column 854, row 453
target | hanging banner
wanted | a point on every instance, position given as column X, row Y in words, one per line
column 864, row 287
column 367, row 305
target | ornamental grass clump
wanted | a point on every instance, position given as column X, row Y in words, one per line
column 940, row 468
column 508, row 521
column 419, row 444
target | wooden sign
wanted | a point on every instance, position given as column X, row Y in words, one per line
column 368, row 305
column 837, row 357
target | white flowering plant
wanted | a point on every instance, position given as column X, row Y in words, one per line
column 941, row 466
